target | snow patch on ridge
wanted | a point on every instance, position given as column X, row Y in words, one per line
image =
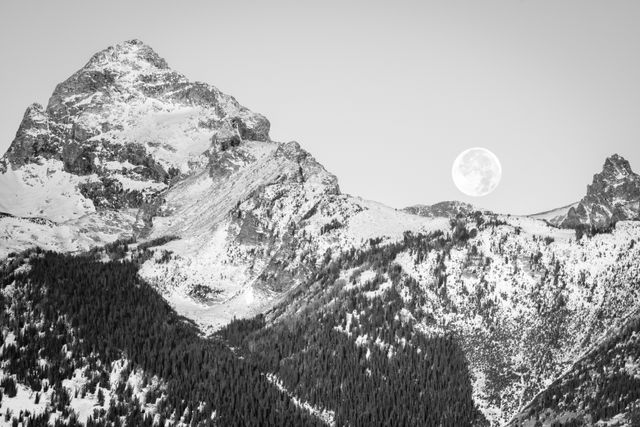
column 43, row 190
column 325, row 415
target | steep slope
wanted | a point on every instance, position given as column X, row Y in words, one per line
column 495, row 309
column 85, row 341
column 440, row 314
column 128, row 148
column 614, row 195
column 112, row 136
column 554, row 216
column 523, row 300
column 602, row 388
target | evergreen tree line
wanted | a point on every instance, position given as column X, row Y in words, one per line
column 102, row 311
column 599, row 385
column 392, row 375
column 93, row 309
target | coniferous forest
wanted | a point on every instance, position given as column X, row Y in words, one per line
column 101, row 311
column 80, row 312
column 337, row 350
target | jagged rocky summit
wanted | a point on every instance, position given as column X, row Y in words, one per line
column 614, row 195
column 223, row 222
column 129, row 148
column 124, row 125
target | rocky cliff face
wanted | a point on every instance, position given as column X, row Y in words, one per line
column 614, row 195
column 128, row 124
column 129, row 148
column 231, row 223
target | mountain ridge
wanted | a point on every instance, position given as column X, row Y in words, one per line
column 614, row 195
column 179, row 188
column 127, row 147
column 445, row 209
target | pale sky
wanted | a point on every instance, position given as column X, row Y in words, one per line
column 383, row 94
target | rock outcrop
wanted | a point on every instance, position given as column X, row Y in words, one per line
column 225, row 223
column 614, row 195
column 123, row 126
column 129, row 148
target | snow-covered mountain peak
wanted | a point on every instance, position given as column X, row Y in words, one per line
column 617, row 181
column 132, row 53
column 614, row 195
column 112, row 138
column 127, row 96
column 127, row 71
column 127, row 147
column 223, row 222
column 616, row 166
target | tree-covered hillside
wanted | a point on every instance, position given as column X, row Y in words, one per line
column 67, row 313
column 67, row 317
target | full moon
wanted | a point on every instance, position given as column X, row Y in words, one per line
column 476, row 172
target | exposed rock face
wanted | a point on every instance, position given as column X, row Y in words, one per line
column 447, row 209
column 613, row 196
column 127, row 125
column 119, row 88
column 34, row 138
column 127, row 147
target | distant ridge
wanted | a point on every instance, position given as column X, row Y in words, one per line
column 446, row 209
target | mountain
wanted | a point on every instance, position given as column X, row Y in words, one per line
column 128, row 148
column 163, row 261
column 602, row 385
column 447, row 209
column 112, row 137
column 554, row 216
column 614, row 195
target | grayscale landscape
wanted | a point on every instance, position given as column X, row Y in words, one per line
column 165, row 261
